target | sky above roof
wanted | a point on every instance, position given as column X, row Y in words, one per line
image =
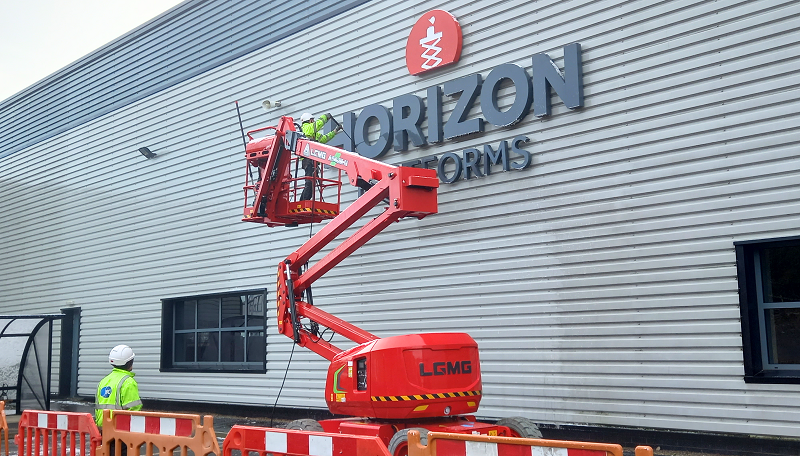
column 39, row 37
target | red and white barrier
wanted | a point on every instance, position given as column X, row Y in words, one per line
column 289, row 442
column 45, row 420
column 180, row 427
column 162, row 432
column 308, row 444
column 62, row 433
column 467, row 448
column 4, row 425
column 450, row 444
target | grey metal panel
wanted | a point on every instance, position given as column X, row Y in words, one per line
column 600, row 283
column 186, row 41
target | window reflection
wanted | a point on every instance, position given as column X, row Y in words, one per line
column 780, row 269
column 219, row 332
column 783, row 335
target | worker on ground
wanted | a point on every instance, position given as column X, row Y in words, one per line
column 313, row 130
column 118, row 390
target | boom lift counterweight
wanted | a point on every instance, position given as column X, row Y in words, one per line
column 427, row 381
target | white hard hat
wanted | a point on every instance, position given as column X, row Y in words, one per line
column 120, row 355
column 306, row 117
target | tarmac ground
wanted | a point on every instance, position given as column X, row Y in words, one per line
column 223, row 423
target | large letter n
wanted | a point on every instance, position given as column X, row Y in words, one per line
column 546, row 74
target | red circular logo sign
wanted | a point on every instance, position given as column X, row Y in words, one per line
column 434, row 41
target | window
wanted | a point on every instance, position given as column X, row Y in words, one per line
column 769, row 296
column 220, row 332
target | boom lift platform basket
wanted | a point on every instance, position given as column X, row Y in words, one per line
column 278, row 196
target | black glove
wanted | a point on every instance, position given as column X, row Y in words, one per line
column 329, row 115
column 338, row 128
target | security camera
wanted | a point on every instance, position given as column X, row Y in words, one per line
column 267, row 105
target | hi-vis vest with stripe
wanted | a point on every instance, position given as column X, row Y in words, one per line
column 313, row 130
column 117, row 391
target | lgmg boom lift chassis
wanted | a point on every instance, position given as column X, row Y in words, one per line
column 424, row 381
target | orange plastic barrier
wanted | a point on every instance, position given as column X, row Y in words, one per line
column 164, row 431
column 57, row 433
column 288, row 442
column 447, row 444
column 4, row 424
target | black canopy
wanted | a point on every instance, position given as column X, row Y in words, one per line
column 26, row 346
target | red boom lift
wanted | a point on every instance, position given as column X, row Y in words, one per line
column 422, row 381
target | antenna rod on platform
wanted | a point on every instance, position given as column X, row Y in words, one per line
column 241, row 127
column 244, row 141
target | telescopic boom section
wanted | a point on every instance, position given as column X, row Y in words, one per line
column 272, row 199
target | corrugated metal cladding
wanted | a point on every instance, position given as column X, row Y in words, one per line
column 599, row 283
column 186, row 41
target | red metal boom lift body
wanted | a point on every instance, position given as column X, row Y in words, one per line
column 418, row 380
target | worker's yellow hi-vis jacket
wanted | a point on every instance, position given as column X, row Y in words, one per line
column 313, row 130
column 116, row 391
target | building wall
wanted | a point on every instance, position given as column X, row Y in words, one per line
column 185, row 41
column 600, row 283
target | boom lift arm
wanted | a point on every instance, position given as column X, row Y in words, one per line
column 428, row 380
column 412, row 376
column 411, row 192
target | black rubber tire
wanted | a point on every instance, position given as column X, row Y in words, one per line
column 523, row 427
column 305, row 424
column 400, row 440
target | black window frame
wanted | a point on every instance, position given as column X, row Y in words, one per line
column 168, row 332
column 757, row 367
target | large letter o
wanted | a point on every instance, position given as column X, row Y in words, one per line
column 363, row 147
column 522, row 100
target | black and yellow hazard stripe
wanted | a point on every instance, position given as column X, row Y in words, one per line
column 308, row 209
column 422, row 397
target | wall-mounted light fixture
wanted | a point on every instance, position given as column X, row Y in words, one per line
column 146, row 152
column 267, row 105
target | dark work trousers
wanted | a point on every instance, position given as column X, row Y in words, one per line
column 310, row 169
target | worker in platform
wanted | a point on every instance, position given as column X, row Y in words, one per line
column 313, row 130
column 118, row 390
